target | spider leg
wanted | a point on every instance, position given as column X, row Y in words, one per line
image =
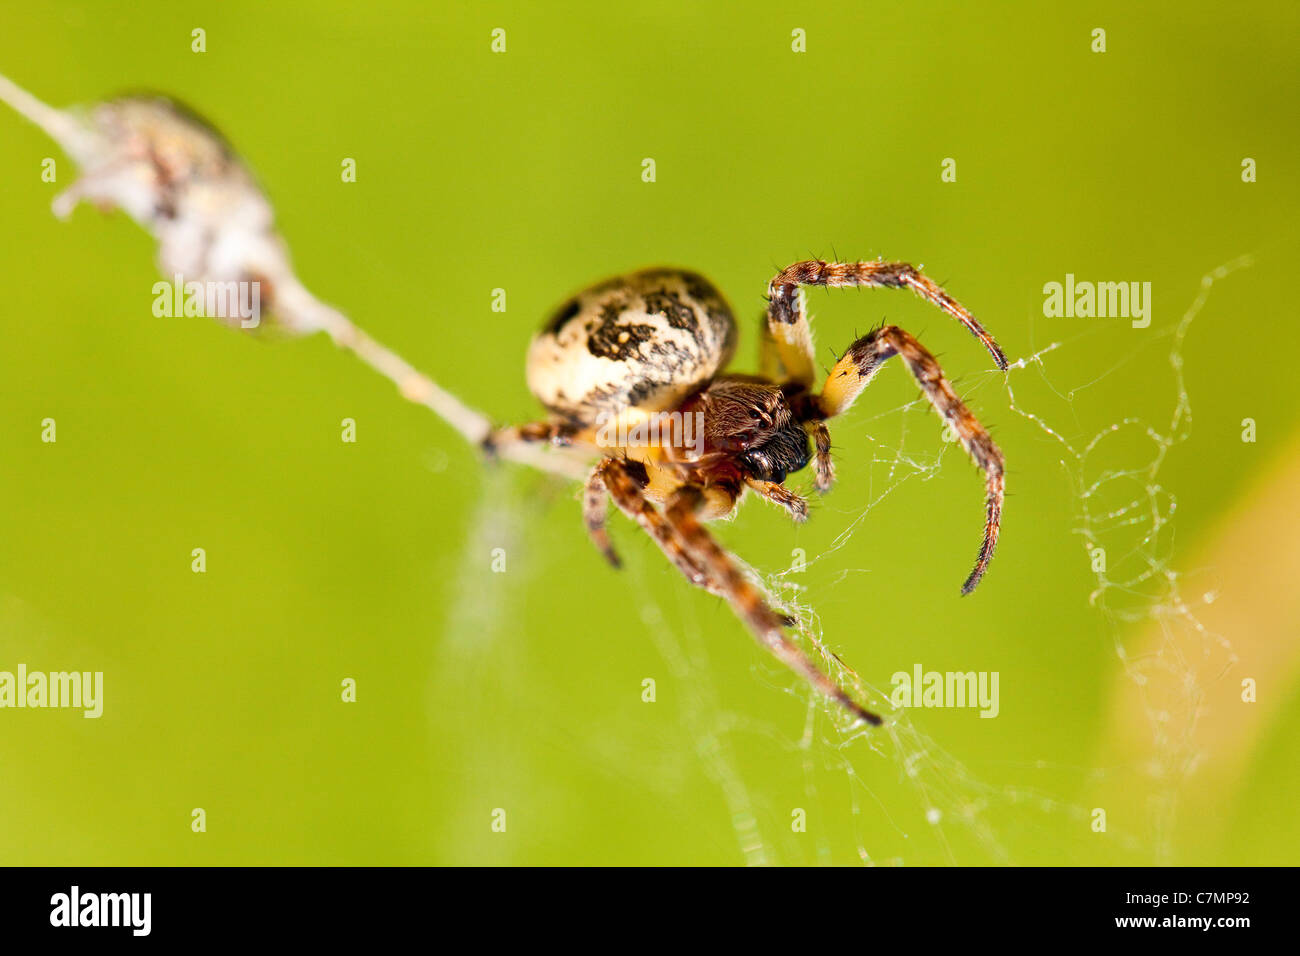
column 620, row 479
column 747, row 601
column 781, row 495
column 854, row 371
column 554, row 432
column 770, row 365
column 520, row 443
column 595, row 506
column 823, row 467
column 787, row 317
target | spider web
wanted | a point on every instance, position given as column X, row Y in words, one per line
column 853, row 773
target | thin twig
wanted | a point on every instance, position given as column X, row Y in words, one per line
column 76, row 138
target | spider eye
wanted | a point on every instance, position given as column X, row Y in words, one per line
column 762, row 467
column 785, row 452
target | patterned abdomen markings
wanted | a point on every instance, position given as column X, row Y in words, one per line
column 641, row 341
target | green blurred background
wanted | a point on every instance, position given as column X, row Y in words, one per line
column 522, row 690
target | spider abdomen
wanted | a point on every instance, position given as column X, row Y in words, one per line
column 643, row 341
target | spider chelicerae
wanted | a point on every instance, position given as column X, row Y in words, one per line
column 621, row 360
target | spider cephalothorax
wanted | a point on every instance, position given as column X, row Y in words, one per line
column 749, row 432
column 647, row 352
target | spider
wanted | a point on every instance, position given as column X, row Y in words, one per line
column 627, row 366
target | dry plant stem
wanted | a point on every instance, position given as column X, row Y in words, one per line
column 473, row 426
column 415, row 386
column 76, row 139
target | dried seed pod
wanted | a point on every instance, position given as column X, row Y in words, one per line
column 176, row 176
